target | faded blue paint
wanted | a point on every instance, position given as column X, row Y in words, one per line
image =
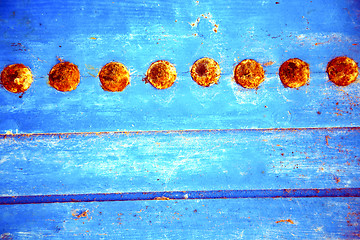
column 313, row 218
column 180, row 161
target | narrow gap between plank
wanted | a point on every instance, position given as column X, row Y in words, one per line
column 182, row 195
column 19, row 135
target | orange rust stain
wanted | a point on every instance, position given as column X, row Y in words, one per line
column 162, row 198
column 93, row 38
column 328, row 41
column 59, row 59
column 286, row 221
column 80, row 215
column 327, row 140
column 195, row 23
column 337, row 180
column 357, row 214
column 269, row 63
column 355, row 44
column 216, row 26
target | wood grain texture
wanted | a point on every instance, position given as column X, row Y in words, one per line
column 314, row 218
column 137, row 33
column 185, row 160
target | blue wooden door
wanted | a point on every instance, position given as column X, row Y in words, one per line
column 187, row 162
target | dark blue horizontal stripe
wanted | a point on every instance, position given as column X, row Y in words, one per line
column 69, row 134
column 182, row 195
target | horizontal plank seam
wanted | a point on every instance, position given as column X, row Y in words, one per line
column 19, row 135
column 182, row 195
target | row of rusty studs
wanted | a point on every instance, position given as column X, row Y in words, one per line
column 114, row 76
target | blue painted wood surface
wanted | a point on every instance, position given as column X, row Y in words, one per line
column 137, row 33
column 180, row 161
column 315, row 150
column 311, row 218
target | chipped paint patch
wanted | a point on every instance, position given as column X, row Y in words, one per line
column 317, row 39
column 92, row 71
column 79, row 214
column 4, row 159
column 319, row 229
column 207, row 17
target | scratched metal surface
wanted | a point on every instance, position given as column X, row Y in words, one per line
column 317, row 147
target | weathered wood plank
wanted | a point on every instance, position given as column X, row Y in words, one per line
column 137, row 33
column 185, row 160
column 311, row 218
